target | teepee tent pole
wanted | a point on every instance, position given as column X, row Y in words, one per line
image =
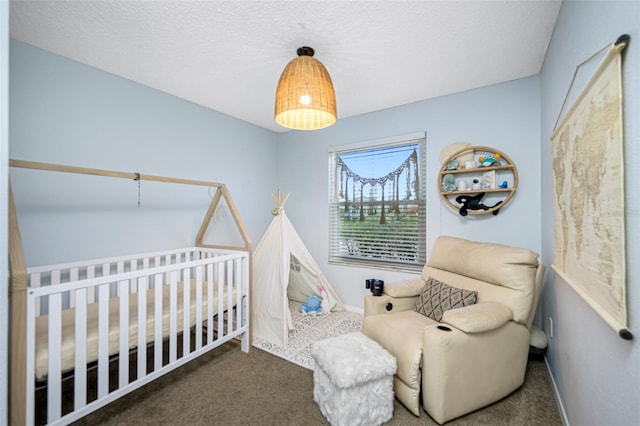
column 280, row 202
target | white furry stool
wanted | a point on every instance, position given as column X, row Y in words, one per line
column 353, row 380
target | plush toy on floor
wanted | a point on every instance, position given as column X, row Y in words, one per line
column 312, row 306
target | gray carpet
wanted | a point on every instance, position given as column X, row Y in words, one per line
column 229, row 387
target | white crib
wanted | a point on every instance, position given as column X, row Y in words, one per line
column 84, row 334
column 112, row 306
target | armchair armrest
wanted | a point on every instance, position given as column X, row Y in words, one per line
column 479, row 317
column 406, row 288
column 397, row 296
column 386, row 304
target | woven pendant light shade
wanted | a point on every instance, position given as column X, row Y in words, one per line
column 305, row 99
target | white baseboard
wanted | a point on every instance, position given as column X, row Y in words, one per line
column 355, row 309
column 556, row 394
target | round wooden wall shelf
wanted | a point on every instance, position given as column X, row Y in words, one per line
column 477, row 180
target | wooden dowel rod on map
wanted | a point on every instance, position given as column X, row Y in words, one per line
column 625, row 334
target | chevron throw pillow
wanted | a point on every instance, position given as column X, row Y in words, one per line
column 437, row 297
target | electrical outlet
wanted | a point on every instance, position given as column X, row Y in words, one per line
column 550, row 327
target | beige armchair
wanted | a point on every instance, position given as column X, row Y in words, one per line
column 476, row 354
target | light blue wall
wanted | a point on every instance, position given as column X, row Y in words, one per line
column 68, row 113
column 597, row 374
column 503, row 116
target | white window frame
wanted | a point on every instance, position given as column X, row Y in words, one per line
column 341, row 250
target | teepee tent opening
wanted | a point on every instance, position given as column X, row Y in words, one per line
column 283, row 270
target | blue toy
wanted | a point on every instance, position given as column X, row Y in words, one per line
column 311, row 307
column 489, row 160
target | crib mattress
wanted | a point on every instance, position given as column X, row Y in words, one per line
column 68, row 325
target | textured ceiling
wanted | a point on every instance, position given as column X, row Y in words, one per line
column 228, row 55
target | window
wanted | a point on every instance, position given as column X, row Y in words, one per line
column 377, row 204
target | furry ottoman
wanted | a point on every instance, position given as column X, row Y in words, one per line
column 353, row 380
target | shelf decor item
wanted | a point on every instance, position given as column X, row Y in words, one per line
column 479, row 186
column 489, row 180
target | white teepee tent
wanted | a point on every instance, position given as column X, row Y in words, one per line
column 284, row 269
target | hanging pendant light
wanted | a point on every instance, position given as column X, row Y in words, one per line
column 305, row 99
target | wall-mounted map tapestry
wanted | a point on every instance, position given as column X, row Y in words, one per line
column 587, row 151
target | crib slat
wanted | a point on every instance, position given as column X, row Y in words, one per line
column 133, row 265
column 113, row 288
column 173, row 315
column 73, row 276
column 55, row 277
column 167, row 261
column 54, row 383
column 230, row 287
column 103, row 340
column 209, row 303
column 91, row 273
column 119, row 270
column 123, row 359
column 186, row 308
column 142, row 327
column 198, row 307
column 221, row 288
column 157, row 345
column 238, row 302
column 33, row 310
column 34, row 282
column 80, row 372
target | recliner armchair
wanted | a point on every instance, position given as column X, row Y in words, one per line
column 476, row 354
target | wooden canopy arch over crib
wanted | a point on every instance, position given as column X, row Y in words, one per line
column 19, row 276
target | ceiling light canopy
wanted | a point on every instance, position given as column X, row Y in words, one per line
column 305, row 99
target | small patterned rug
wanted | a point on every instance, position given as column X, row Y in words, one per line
column 308, row 329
